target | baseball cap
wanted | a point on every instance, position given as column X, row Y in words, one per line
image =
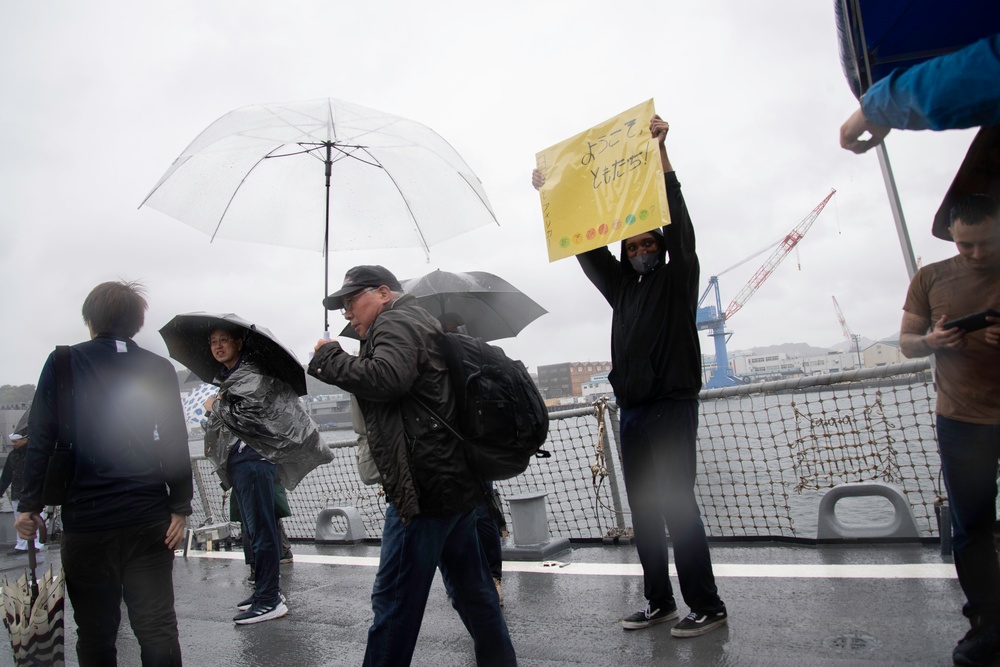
column 21, row 430
column 359, row 278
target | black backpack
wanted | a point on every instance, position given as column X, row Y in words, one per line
column 502, row 417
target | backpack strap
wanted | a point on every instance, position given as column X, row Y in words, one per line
column 64, row 396
column 433, row 413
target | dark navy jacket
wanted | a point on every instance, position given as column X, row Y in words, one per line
column 131, row 443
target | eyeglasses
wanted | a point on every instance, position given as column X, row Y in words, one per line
column 349, row 301
column 222, row 340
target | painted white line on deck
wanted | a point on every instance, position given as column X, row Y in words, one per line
column 748, row 570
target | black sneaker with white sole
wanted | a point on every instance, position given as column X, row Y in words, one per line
column 649, row 616
column 246, row 604
column 260, row 613
column 695, row 624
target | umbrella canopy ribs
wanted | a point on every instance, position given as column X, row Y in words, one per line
column 254, row 175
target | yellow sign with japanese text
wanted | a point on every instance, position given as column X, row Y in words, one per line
column 603, row 185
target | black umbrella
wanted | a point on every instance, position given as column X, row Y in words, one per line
column 187, row 336
column 491, row 307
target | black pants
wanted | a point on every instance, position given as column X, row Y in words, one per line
column 969, row 456
column 286, row 544
column 130, row 563
column 659, row 459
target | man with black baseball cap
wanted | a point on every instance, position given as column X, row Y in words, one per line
column 358, row 279
column 430, row 517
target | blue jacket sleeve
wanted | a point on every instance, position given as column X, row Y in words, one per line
column 953, row 91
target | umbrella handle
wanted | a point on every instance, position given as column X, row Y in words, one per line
column 33, row 561
column 32, row 564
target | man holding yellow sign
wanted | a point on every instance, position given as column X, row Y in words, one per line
column 656, row 376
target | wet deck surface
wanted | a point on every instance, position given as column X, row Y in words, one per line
column 788, row 605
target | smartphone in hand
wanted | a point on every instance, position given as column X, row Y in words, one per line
column 973, row 322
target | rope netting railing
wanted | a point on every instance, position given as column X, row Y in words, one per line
column 579, row 501
column 769, row 451
column 767, row 454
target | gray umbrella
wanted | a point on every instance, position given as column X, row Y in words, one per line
column 491, row 307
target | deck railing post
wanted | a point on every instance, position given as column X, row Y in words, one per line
column 610, row 457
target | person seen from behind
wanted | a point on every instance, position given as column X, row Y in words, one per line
column 130, row 495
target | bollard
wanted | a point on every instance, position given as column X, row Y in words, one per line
column 327, row 534
column 530, row 530
column 829, row 526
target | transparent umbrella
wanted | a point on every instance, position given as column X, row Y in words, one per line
column 322, row 174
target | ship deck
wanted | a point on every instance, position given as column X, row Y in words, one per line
column 842, row 604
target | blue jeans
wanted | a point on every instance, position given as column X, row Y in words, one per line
column 410, row 554
column 969, row 456
column 106, row 566
column 659, row 459
column 253, row 484
column 489, row 539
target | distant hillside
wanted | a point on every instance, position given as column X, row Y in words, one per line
column 791, row 349
column 807, row 350
column 16, row 393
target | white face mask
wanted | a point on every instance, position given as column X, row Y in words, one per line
column 645, row 263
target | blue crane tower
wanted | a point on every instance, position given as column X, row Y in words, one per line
column 713, row 319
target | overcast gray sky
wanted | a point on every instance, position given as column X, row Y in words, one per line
column 100, row 97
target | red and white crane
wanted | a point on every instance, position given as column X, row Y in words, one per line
column 852, row 340
column 711, row 318
column 791, row 239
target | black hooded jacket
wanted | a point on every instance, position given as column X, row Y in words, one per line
column 655, row 351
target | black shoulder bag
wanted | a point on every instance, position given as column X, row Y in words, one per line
column 59, row 472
